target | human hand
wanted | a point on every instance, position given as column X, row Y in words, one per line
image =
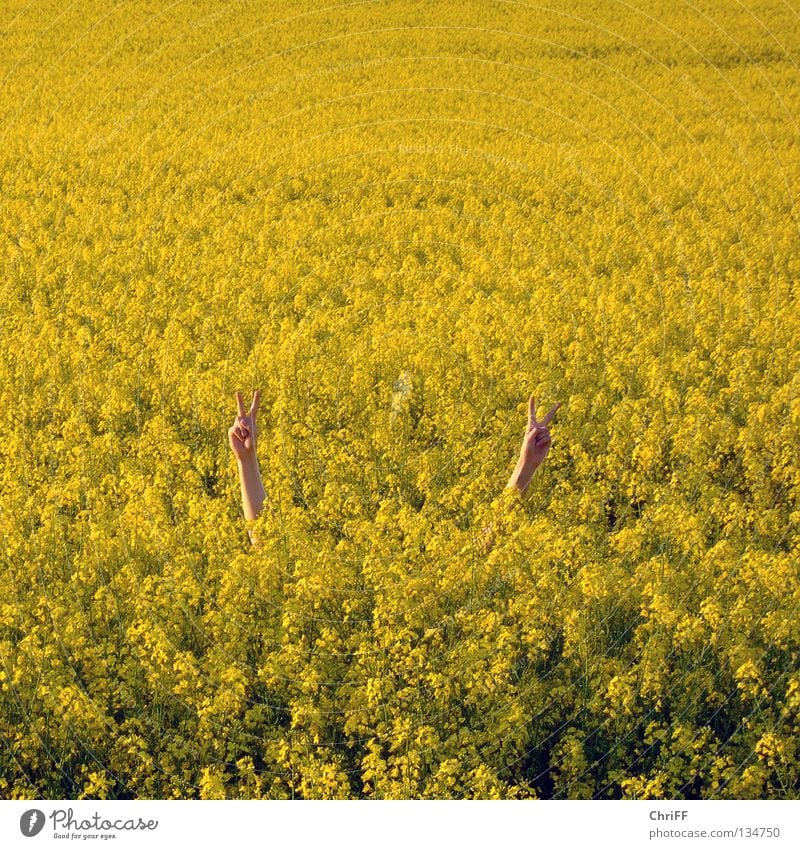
column 535, row 445
column 242, row 433
column 536, row 442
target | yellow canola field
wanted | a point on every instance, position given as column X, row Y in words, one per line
column 398, row 219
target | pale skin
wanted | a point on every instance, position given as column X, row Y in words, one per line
column 535, row 445
column 242, row 436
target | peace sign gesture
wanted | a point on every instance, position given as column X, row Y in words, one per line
column 535, row 445
column 242, row 433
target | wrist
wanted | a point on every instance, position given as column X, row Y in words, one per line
column 248, row 462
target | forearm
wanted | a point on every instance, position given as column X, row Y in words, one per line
column 535, row 445
column 512, row 494
column 521, row 476
column 253, row 492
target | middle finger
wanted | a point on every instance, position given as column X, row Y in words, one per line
column 550, row 413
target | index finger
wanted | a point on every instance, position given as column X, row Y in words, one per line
column 531, row 410
column 550, row 413
column 240, row 403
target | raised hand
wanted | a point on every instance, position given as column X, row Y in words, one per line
column 242, row 433
column 535, row 445
column 536, row 442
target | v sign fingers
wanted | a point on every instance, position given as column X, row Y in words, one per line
column 242, row 433
column 535, row 446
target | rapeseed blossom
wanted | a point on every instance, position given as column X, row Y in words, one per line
column 398, row 219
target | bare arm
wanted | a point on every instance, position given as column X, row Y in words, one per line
column 535, row 445
column 253, row 492
column 242, row 437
